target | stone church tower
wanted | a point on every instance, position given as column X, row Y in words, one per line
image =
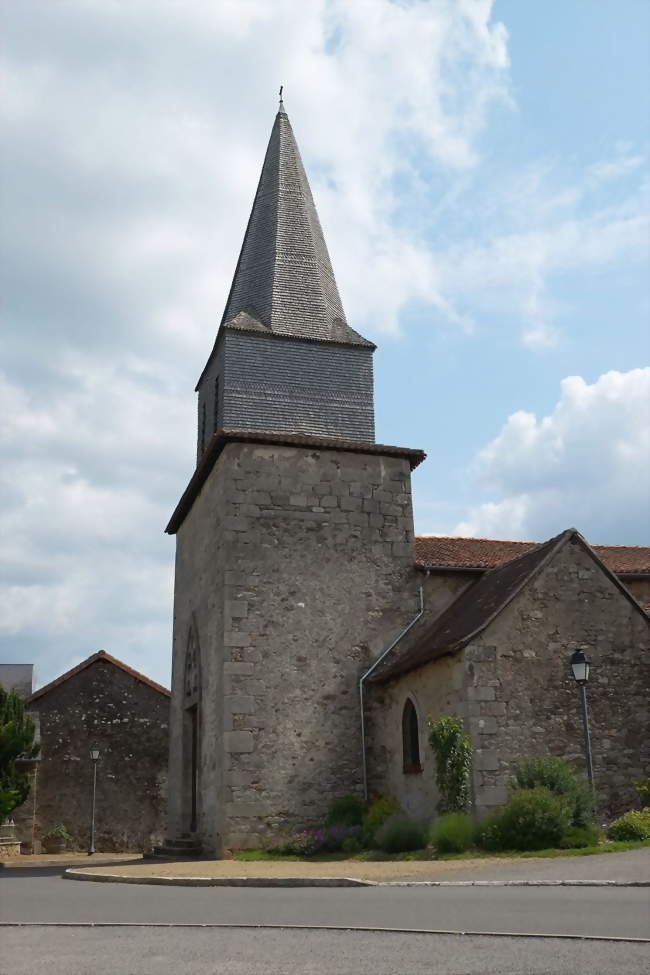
column 294, row 558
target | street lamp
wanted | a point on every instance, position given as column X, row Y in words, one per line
column 580, row 667
column 94, row 757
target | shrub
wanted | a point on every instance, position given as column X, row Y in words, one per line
column 400, row 834
column 533, row 819
column 488, row 833
column 560, row 777
column 578, row 837
column 346, row 811
column 642, row 787
column 351, row 844
column 58, row 832
column 634, row 825
column 453, row 833
column 378, row 812
column 308, row 842
column 452, row 749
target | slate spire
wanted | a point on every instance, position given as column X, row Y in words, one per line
column 284, row 278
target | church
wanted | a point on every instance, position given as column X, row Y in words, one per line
column 313, row 631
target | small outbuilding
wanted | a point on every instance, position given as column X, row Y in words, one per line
column 103, row 704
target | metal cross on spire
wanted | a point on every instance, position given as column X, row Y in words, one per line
column 281, row 106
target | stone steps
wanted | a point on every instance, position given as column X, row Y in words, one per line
column 185, row 847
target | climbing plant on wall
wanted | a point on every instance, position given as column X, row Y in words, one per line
column 452, row 750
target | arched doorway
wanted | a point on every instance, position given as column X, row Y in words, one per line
column 191, row 733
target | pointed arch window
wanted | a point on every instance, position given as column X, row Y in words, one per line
column 410, row 738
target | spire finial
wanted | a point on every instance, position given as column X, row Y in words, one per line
column 281, row 105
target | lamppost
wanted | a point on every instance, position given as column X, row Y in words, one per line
column 94, row 756
column 580, row 667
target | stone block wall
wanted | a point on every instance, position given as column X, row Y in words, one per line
column 436, row 689
column 297, row 566
column 128, row 721
column 522, row 699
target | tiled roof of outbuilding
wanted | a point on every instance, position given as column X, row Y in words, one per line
column 284, row 279
column 487, row 553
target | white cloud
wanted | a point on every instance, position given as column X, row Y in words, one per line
column 586, row 464
column 134, row 135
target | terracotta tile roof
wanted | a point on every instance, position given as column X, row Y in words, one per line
column 470, row 613
column 487, row 553
column 100, row 655
column 478, row 605
column 223, row 437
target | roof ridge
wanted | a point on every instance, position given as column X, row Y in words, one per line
column 94, row 658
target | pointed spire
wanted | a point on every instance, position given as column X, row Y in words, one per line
column 284, row 278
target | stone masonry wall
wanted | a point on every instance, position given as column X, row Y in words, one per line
column 201, row 561
column 299, row 564
column 127, row 720
column 320, row 547
column 522, row 699
column 435, row 689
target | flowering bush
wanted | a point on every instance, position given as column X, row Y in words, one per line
column 308, row 842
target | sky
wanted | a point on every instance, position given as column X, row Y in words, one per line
column 481, row 173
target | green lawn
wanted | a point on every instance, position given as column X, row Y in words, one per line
column 248, row 856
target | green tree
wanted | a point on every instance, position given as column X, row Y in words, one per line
column 452, row 749
column 16, row 742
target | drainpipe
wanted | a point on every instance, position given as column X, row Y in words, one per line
column 367, row 675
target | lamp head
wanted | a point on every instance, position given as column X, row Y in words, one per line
column 94, row 753
column 580, row 667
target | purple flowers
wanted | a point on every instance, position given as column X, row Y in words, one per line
column 308, row 842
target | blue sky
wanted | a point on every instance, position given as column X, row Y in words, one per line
column 481, row 172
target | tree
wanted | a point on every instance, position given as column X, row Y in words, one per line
column 16, row 742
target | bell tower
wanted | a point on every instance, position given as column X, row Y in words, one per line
column 294, row 540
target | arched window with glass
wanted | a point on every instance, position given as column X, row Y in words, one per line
column 410, row 738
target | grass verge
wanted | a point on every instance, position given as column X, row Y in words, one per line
column 252, row 856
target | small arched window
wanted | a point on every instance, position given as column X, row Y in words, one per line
column 410, row 738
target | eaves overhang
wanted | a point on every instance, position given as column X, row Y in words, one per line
column 222, row 438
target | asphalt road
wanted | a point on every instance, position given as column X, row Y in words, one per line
column 42, row 896
column 183, row 951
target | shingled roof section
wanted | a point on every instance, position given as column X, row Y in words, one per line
column 444, row 552
column 284, row 277
column 94, row 658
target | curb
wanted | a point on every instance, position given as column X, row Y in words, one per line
column 211, row 925
column 116, row 878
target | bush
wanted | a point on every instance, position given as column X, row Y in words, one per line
column 346, row 811
column 453, row 833
column 58, row 834
column 642, row 787
column 488, row 834
column 578, row 837
column 378, row 812
column 560, row 777
column 351, row 844
column 401, row 834
column 634, row 825
column 533, row 819
column 308, row 842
